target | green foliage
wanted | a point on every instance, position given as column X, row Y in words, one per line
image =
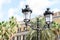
column 7, row 28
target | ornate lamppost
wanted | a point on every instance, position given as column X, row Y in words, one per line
column 27, row 13
column 48, row 17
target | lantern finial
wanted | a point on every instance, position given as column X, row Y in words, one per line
column 27, row 6
column 48, row 9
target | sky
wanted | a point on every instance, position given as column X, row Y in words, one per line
column 14, row 8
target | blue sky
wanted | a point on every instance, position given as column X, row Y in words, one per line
column 10, row 8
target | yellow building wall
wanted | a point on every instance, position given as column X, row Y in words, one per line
column 57, row 19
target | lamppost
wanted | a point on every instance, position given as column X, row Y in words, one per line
column 27, row 13
column 48, row 17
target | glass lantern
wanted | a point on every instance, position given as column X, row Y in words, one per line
column 27, row 13
column 48, row 16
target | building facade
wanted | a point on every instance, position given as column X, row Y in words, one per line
column 21, row 32
column 56, row 17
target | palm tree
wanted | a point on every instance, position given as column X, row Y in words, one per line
column 45, row 34
column 12, row 26
column 8, row 28
column 33, row 33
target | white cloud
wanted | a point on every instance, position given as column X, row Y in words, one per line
column 37, row 6
column 1, row 11
column 8, row 1
column 19, row 18
column 11, row 12
column 21, row 4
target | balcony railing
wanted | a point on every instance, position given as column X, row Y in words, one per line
column 20, row 36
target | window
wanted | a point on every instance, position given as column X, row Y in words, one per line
column 18, row 37
column 19, row 30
